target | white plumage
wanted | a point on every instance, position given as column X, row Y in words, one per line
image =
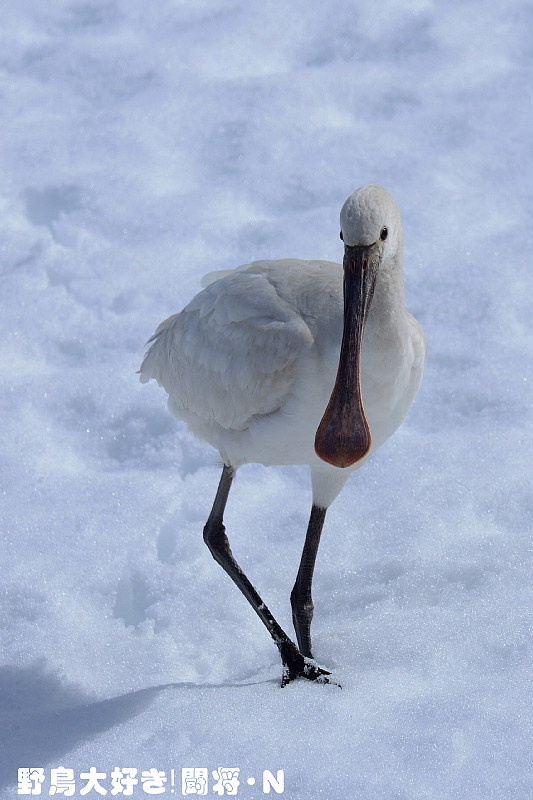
column 250, row 363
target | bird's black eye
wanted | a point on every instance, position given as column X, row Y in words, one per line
column 340, row 234
column 383, row 235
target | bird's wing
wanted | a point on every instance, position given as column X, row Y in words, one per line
column 232, row 353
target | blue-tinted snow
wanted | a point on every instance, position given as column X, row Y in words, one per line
column 142, row 145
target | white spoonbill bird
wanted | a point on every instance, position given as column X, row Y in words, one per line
column 296, row 362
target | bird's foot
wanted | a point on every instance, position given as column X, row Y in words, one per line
column 295, row 665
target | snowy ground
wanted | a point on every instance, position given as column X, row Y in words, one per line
column 141, row 146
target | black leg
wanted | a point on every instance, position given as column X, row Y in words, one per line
column 301, row 600
column 294, row 663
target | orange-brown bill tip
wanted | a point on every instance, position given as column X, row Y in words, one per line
column 338, row 448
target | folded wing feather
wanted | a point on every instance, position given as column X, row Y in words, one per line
column 231, row 355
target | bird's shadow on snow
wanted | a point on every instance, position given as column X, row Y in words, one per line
column 42, row 716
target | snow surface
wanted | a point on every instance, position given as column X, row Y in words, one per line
column 142, row 145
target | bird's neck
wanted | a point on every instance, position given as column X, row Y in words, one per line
column 388, row 304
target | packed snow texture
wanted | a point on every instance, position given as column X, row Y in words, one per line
column 143, row 145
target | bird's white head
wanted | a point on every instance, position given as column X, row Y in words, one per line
column 370, row 216
column 371, row 230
